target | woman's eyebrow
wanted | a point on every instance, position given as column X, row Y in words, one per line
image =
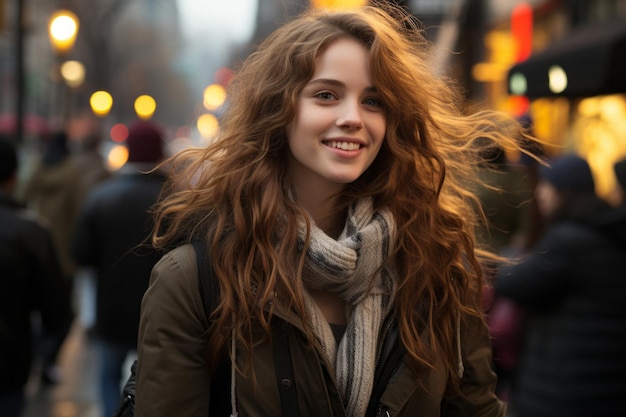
column 327, row 81
column 337, row 83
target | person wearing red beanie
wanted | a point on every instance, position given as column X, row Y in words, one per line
column 145, row 143
column 110, row 236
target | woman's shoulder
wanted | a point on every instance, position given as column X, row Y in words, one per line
column 176, row 271
column 180, row 258
column 174, row 289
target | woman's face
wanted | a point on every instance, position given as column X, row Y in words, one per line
column 548, row 198
column 340, row 121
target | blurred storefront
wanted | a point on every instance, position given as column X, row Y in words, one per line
column 576, row 86
column 562, row 62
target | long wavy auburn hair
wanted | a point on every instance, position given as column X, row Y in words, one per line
column 235, row 193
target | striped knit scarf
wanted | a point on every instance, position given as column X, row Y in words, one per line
column 349, row 267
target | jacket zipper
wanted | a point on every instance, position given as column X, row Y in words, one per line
column 388, row 349
column 383, row 411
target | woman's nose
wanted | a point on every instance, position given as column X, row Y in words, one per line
column 350, row 116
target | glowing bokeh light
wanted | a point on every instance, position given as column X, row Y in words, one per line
column 557, row 79
column 117, row 157
column 101, row 103
column 208, row 126
column 145, row 106
column 224, row 76
column 62, row 30
column 119, row 133
column 73, row 72
column 518, row 84
column 214, row 96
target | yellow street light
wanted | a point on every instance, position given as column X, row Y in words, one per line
column 73, row 72
column 208, row 126
column 214, row 96
column 101, row 103
column 62, row 30
column 145, row 106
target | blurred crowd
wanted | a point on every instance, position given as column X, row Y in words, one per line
column 74, row 230
column 555, row 301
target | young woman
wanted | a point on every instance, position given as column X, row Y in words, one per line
column 338, row 230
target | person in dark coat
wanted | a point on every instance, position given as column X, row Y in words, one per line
column 574, row 288
column 53, row 192
column 92, row 165
column 110, row 237
column 30, row 281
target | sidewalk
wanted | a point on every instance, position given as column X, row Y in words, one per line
column 76, row 395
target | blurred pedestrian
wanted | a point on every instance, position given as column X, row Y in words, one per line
column 91, row 164
column 30, row 282
column 339, row 232
column 52, row 191
column 112, row 227
column 573, row 289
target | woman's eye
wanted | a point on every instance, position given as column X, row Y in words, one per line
column 325, row 95
column 373, row 102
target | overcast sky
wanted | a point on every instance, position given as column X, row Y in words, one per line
column 232, row 20
column 211, row 29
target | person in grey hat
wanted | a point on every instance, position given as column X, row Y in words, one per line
column 573, row 287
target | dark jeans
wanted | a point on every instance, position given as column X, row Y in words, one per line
column 51, row 343
column 112, row 357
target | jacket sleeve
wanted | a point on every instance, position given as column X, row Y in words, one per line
column 478, row 398
column 172, row 374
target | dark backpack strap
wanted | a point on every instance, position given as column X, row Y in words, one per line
column 209, row 289
column 210, row 293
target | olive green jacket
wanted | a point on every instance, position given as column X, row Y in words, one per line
column 173, row 380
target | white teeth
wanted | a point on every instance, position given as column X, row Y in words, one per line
column 345, row 146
